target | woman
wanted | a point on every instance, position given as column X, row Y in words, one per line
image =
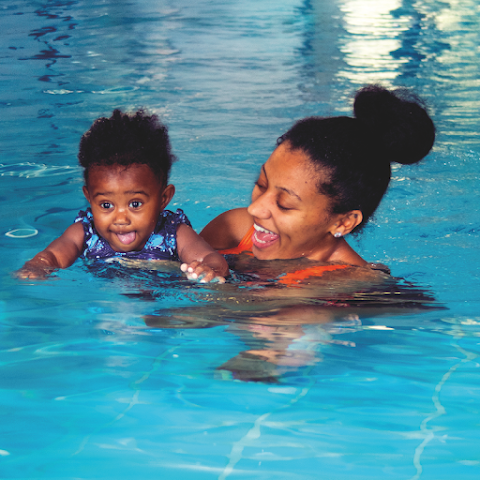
column 325, row 180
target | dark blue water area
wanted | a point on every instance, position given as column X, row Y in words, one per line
column 116, row 371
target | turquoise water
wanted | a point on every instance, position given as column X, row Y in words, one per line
column 124, row 373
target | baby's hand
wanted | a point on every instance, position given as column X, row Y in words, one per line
column 34, row 271
column 39, row 267
column 201, row 273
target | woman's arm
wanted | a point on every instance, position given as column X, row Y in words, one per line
column 228, row 229
column 61, row 253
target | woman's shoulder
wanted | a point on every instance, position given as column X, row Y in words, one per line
column 228, row 229
column 344, row 253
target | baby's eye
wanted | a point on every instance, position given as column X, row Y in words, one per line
column 106, row 205
column 136, row 204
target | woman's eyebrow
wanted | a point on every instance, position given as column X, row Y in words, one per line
column 290, row 192
column 283, row 189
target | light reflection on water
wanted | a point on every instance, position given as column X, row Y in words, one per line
column 116, row 367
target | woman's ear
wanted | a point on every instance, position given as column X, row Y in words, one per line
column 346, row 223
column 167, row 195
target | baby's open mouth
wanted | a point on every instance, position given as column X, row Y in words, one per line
column 127, row 238
column 262, row 237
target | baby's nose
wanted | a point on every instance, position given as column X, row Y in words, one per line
column 122, row 217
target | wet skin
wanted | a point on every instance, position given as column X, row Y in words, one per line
column 286, row 203
column 126, row 203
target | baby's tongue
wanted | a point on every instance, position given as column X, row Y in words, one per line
column 126, row 238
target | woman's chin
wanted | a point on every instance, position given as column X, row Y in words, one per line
column 267, row 253
column 262, row 253
column 265, row 250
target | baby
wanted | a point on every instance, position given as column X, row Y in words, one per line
column 127, row 160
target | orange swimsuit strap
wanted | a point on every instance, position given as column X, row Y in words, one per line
column 299, row 275
column 245, row 246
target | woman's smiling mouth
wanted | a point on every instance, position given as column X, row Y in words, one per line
column 263, row 238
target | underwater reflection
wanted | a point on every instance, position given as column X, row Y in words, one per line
column 277, row 342
column 284, row 326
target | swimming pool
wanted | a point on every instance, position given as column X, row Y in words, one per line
column 90, row 388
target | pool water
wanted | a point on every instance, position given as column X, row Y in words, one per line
column 118, row 372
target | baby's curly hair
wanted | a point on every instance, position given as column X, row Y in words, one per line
column 127, row 139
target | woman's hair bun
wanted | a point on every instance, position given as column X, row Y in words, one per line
column 395, row 123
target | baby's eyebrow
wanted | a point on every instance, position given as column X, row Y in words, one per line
column 128, row 192
column 102, row 194
column 136, row 192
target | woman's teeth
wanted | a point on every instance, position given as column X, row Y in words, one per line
column 263, row 237
column 262, row 230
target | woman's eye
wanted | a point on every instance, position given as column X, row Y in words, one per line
column 261, row 186
column 106, row 205
column 281, row 207
column 135, row 204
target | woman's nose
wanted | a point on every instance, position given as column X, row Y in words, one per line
column 259, row 207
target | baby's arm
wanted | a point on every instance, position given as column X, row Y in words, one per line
column 61, row 253
column 199, row 260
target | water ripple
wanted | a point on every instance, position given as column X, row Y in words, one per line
column 31, row 170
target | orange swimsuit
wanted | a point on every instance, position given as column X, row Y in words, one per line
column 246, row 244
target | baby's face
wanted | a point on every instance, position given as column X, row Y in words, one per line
column 126, row 202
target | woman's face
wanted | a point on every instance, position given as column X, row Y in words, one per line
column 291, row 218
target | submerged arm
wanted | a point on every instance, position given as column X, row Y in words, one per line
column 61, row 253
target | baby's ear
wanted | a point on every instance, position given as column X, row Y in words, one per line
column 167, row 195
column 85, row 192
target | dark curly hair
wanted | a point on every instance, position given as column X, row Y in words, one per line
column 355, row 153
column 127, row 139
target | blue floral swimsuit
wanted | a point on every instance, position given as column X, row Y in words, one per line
column 162, row 244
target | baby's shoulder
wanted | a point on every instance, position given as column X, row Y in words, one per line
column 84, row 216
